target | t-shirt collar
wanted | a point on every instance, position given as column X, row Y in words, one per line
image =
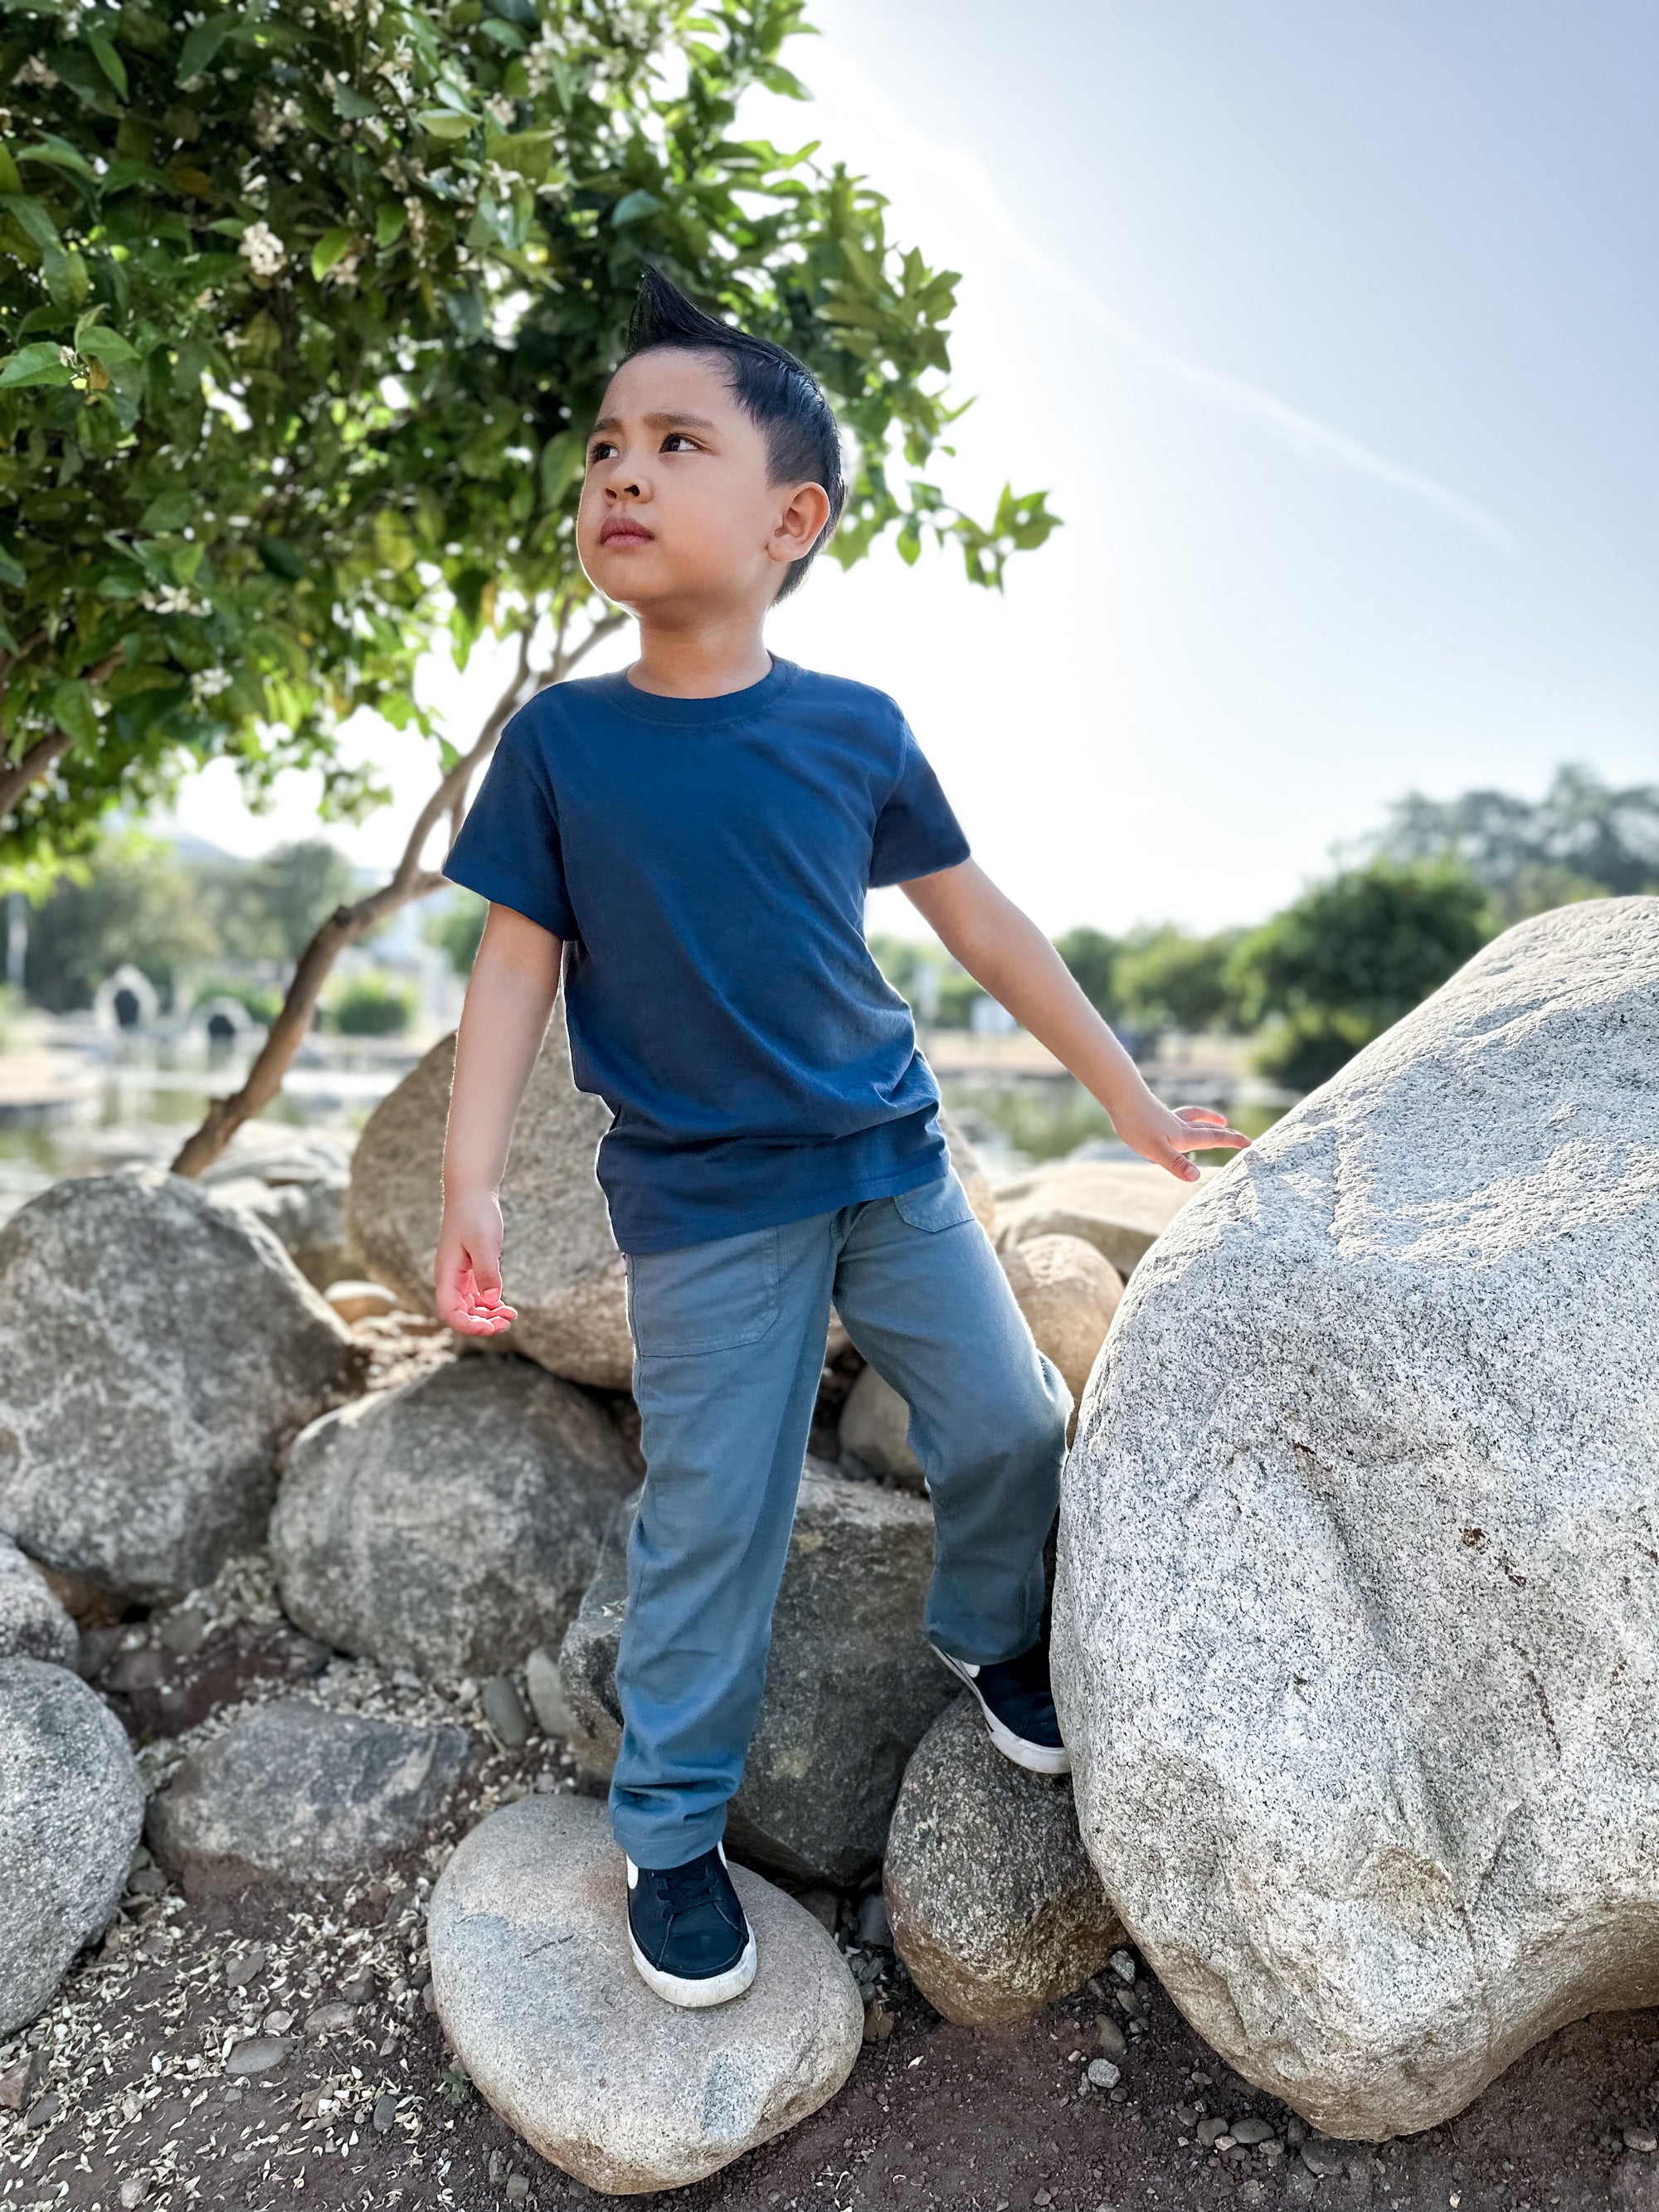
column 701, row 713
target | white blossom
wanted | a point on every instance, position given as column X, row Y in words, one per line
column 273, row 119
column 344, row 271
column 173, row 599
column 208, row 682
column 34, row 71
column 501, row 109
column 263, row 251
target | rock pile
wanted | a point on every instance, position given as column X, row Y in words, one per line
column 158, row 1350
column 1357, row 1617
column 1120, row 1208
column 537, row 1995
column 452, row 1525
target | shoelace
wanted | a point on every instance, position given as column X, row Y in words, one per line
column 682, row 1888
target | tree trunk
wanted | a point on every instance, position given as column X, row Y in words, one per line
column 348, row 923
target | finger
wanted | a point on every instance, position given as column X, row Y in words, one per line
column 1198, row 1114
column 1212, row 1140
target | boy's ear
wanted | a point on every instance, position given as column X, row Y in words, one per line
column 805, row 513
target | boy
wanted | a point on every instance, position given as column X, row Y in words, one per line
column 686, row 846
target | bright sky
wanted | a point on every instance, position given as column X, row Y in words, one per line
column 1329, row 332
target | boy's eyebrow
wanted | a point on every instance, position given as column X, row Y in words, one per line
column 656, row 422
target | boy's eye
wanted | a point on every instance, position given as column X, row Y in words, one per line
column 677, row 440
column 600, row 450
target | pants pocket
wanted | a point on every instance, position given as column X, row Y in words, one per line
column 704, row 1297
column 941, row 1205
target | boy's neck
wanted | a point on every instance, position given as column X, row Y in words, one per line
column 700, row 660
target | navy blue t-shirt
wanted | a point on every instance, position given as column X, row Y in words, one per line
column 706, row 862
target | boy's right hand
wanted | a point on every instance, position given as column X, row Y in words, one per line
column 468, row 1274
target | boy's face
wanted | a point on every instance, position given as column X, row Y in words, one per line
column 677, row 514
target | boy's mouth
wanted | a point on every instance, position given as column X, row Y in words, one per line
column 623, row 530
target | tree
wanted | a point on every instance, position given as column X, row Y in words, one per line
column 1167, row 979
column 311, row 312
column 1584, row 839
column 271, row 908
column 1092, row 958
column 1351, row 957
column 139, row 907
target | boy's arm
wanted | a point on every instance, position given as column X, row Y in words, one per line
column 515, row 982
column 1007, row 955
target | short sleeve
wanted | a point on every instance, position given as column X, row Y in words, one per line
column 916, row 832
column 508, row 849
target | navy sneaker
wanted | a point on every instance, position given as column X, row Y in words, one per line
column 1018, row 1705
column 687, row 1930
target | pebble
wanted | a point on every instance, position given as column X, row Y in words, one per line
column 1133, row 2003
column 133, row 2191
column 42, row 2113
column 136, row 1670
column 1251, row 2131
column 15, row 2086
column 240, row 1971
column 1323, row 2158
column 183, row 1633
column 1103, row 2074
column 1641, row 2139
column 1043, row 2196
column 517, row 2189
column 98, row 1647
column 503, row 1708
column 277, row 2022
column 149, row 1882
column 386, row 2112
column 258, row 2055
column 1210, row 2130
column 1111, row 2039
column 1123, row 1965
column 1187, row 2115
column 873, row 1926
column 331, row 2020
column 359, row 1990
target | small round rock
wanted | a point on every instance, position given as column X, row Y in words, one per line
column 540, row 2003
column 1641, row 2139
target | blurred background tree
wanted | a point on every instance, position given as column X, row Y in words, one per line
column 309, row 316
column 1350, row 956
column 138, row 904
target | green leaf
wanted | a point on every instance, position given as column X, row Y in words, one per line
column 333, row 246
column 444, row 123
column 353, row 106
column 72, row 707
column 128, row 170
column 525, row 153
column 31, row 216
column 35, row 364
column 169, row 510
column 100, row 343
column 57, row 153
column 633, row 205
column 12, row 571
column 389, row 223
column 9, row 180
column 505, row 35
column 281, row 559
column 109, row 61
column 449, row 756
column 522, row 12
column 203, row 44
column 561, row 462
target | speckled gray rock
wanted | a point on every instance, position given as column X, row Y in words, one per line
column 71, row 1805
column 875, row 1427
column 1120, row 1208
column 994, row 1906
column 537, row 1992
column 32, row 1624
column 851, row 1685
column 1356, row 1630
column 305, row 1215
column 452, row 1524
column 157, row 1350
column 295, row 1790
column 562, row 1270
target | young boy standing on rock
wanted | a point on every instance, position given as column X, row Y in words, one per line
column 687, row 846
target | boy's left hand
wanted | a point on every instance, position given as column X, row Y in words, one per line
column 1165, row 1135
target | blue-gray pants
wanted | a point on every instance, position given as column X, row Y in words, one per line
column 728, row 1339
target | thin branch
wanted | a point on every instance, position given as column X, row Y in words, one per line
column 40, row 758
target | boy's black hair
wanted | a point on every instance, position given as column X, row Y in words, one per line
column 777, row 391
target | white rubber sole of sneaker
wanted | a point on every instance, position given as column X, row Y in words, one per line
column 694, row 1995
column 1035, row 1757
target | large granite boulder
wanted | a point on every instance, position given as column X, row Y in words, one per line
column 32, row 1624
column 851, row 1685
column 294, row 1181
column 537, row 1994
column 1120, row 1207
column 562, row 1270
column 994, row 1906
column 450, row 1525
column 1356, row 1624
column 157, row 1352
column 71, row 1806
column 294, row 1790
